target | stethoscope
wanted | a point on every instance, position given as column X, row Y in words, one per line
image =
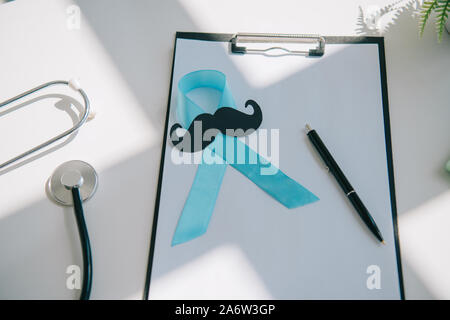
column 72, row 182
column 73, row 84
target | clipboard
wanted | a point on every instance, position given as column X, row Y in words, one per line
column 254, row 248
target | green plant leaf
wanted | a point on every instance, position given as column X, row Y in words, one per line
column 427, row 8
column 442, row 10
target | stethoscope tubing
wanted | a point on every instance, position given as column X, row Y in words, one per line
column 85, row 244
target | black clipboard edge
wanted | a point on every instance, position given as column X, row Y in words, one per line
column 160, row 178
column 225, row 37
column 390, row 162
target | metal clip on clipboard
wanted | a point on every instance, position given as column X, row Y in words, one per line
column 259, row 38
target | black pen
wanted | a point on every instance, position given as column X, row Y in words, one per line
column 343, row 182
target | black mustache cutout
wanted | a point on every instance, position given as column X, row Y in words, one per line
column 222, row 120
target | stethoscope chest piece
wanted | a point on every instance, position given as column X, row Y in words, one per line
column 70, row 184
column 70, row 174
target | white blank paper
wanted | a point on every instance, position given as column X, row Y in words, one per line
column 254, row 247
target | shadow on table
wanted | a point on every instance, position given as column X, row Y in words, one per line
column 39, row 243
column 409, row 58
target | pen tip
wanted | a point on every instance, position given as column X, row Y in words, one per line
column 308, row 128
column 383, row 242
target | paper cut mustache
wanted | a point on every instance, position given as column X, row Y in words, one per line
column 205, row 127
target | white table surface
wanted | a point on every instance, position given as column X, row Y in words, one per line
column 122, row 54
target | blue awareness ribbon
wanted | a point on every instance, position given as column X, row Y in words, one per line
column 199, row 206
